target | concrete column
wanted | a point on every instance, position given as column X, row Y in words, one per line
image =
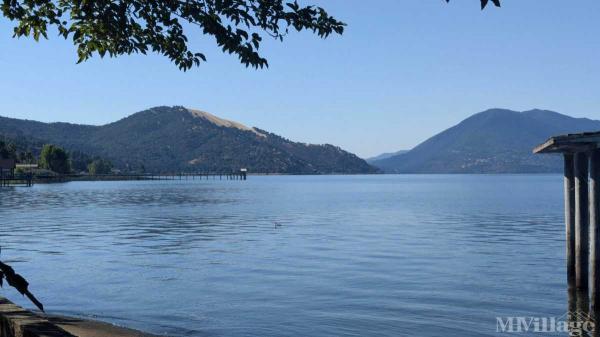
column 582, row 229
column 569, row 182
column 594, row 201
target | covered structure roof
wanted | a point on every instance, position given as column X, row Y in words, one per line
column 7, row 164
column 574, row 142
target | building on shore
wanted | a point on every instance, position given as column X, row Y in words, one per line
column 7, row 168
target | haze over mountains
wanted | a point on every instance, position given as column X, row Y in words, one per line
column 176, row 139
column 493, row 141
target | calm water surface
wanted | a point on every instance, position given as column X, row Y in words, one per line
column 410, row 255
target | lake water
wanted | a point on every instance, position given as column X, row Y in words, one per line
column 391, row 255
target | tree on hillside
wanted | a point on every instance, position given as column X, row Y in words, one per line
column 116, row 28
column 25, row 157
column 100, row 166
column 55, row 159
column 7, row 150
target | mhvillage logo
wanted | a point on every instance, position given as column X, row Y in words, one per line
column 575, row 323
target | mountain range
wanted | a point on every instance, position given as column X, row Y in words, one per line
column 492, row 141
column 178, row 139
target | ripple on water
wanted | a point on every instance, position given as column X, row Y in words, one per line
column 294, row 256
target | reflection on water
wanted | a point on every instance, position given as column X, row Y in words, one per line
column 409, row 255
column 579, row 314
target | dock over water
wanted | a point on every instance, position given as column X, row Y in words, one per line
column 29, row 180
column 581, row 154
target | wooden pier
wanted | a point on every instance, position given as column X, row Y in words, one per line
column 8, row 177
column 581, row 153
column 29, row 180
column 16, row 181
column 195, row 176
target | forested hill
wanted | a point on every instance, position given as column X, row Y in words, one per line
column 493, row 141
column 174, row 139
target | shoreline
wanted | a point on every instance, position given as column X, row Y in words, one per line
column 16, row 321
column 92, row 328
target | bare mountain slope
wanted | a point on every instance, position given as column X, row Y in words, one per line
column 170, row 139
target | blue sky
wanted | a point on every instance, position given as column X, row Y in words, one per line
column 403, row 71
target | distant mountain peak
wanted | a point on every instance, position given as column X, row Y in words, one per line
column 222, row 122
column 541, row 111
column 494, row 113
column 491, row 141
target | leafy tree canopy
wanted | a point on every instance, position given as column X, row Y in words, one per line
column 55, row 159
column 484, row 3
column 138, row 26
column 100, row 166
column 25, row 157
column 7, row 150
column 18, row 282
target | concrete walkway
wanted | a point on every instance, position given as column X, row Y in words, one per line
column 87, row 328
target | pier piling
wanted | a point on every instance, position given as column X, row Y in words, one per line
column 594, row 209
column 569, row 182
column 582, row 229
